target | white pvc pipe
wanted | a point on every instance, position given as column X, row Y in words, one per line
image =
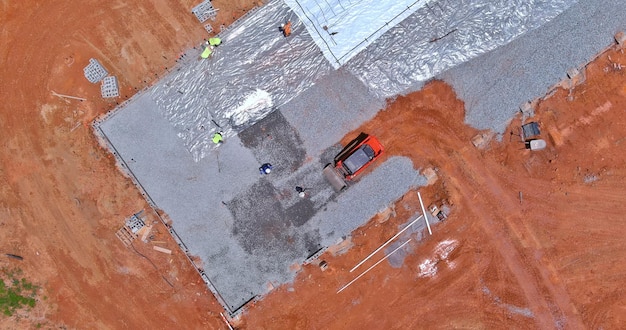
column 382, row 246
column 68, row 96
column 374, row 265
column 424, row 211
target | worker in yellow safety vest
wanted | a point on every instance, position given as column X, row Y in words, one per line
column 208, row 50
column 215, row 41
column 218, row 138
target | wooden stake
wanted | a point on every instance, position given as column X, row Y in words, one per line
column 163, row 250
column 226, row 321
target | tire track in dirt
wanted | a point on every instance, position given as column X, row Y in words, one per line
column 441, row 139
column 479, row 207
column 555, row 310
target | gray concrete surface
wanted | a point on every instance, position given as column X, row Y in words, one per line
column 249, row 228
column 338, row 103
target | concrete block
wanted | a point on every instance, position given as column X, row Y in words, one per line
column 94, row 71
column 620, row 38
column 204, row 11
column 527, row 109
column 208, row 28
column 573, row 73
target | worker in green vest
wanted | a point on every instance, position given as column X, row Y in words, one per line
column 215, row 41
column 207, row 52
column 218, row 138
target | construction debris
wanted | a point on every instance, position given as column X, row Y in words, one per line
column 437, row 212
column 386, row 213
column 163, row 250
column 430, row 174
column 620, row 38
column 135, row 223
column 144, row 232
column 128, row 233
column 481, row 140
column 527, row 109
column 576, row 77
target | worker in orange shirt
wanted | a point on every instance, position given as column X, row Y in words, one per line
column 286, row 29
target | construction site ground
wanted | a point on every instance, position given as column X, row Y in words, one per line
column 533, row 239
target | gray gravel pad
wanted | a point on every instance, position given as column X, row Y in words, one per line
column 336, row 104
column 443, row 34
column 365, row 198
column 273, row 140
column 248, row 228
column 494, row 85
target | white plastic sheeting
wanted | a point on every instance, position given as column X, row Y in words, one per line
column 256, row 69
column 443, row 34
column 343, row 28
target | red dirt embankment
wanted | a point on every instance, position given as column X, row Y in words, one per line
column 536, row 237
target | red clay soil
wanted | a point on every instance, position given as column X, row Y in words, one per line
column 550, row 259
column 536, row 237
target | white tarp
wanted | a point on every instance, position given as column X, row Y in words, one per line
column 256, row 69
column 343, row 28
